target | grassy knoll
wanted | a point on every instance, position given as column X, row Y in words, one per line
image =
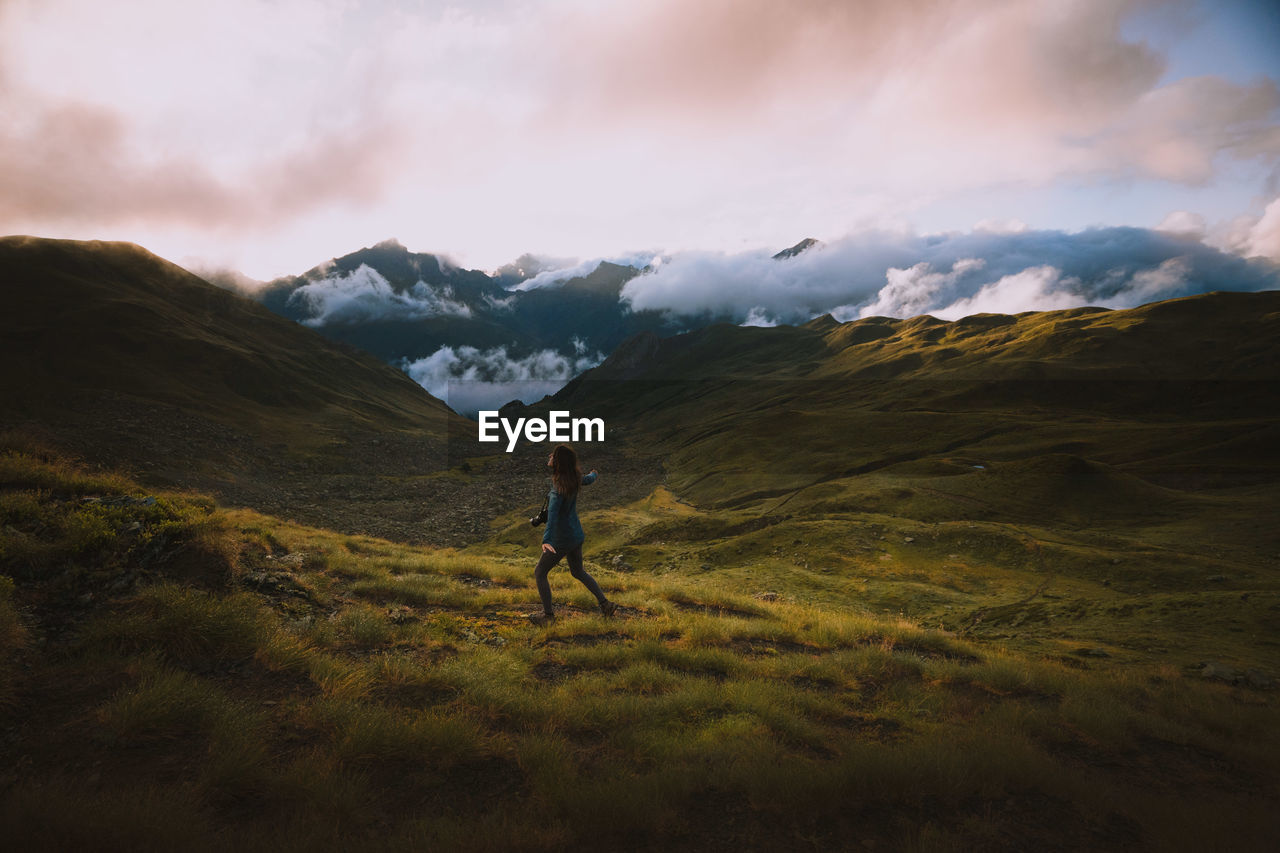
column 180, row 676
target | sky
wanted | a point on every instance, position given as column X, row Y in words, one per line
column 266, row 136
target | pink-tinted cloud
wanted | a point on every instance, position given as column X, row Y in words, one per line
column 1176, row 131
column 82, row 163
column 583, row 128
column 975, row 61
column 954, row 92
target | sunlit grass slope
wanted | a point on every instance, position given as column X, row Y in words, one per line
column 1180, row 393
column 177, row 676
column 1068, row 477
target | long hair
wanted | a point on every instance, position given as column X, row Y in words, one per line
column 566, row 476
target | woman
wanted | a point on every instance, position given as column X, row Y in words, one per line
column 564, row 536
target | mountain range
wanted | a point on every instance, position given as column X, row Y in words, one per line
column 528, row 321
column 399, row 305
column 546, row 320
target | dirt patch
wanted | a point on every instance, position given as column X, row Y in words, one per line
column 926, row 652
column 413, row 695
column 761, row 648
column 819, row 685
column 555, row 671
column 974, row 697
column 717, row 609
column 703, row 529
column 198, row 565
column 625, row 612
column 277, row 585
column 588, row 639
column 871, row 727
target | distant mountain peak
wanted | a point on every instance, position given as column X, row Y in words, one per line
column 527, row 266
column 391, row 243
column 803, row 246
column 823, row 323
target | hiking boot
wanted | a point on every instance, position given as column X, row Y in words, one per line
column 608, row 608
column 542, row 618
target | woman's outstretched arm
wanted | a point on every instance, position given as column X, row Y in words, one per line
column 590, row 478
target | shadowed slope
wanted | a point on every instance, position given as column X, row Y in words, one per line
column 125, row 358
column 113, row 316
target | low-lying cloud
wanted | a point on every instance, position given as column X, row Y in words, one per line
column 470, row 379
column 1263, row 236
column 365, row 295
column 948, row 275
column 529, row 265
column 557, row 276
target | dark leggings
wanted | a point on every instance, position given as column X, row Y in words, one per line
column 548, row 562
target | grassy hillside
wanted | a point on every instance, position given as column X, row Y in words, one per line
column 131, row 362
column 1078, row 483
column 184, row 677
column 1179, row 394
column 112, row 317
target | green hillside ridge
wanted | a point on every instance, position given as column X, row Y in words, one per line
column 1179, row 393
column 1215, row 335
column 113, row 317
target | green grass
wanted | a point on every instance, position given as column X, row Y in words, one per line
column 380, row 696
column 165, row 704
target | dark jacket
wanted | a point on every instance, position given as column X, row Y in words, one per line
column 564, row 531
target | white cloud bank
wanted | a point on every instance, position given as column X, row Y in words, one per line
column 1263, row 239
column 364, row 294
column 952, row 275
column 553, row 277
column 469, row 379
